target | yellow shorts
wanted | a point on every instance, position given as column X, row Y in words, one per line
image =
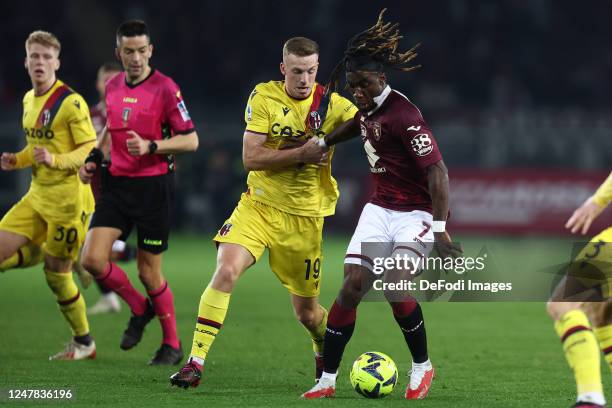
column 61, row 238
column 590, row 271
column 293, row 241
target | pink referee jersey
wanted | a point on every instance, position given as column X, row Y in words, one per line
column 153, row 108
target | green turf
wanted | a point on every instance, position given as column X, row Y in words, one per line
column 486, row 354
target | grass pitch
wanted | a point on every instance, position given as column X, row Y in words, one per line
column 485, row 354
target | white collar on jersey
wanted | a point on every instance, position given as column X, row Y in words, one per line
column 380, row 99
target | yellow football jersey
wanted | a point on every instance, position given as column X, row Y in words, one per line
column 59, row 121
column 603, row 195
column 306, row 190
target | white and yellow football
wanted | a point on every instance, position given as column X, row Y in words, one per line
column 373, row 375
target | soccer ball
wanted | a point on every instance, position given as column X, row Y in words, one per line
column 374, row 375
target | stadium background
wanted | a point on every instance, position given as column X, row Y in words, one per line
column 516, row 92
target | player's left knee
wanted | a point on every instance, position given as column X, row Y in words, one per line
column 148, row 274
column 94, row 263
column 55, row 264
column 148, row 265
column 557, row 309
column 599, row 313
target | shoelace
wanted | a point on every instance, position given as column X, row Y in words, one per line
column 416, row 376
column 69, row 347
column 324, row 383
column 190, row 367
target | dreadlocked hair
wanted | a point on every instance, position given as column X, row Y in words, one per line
column 379, row 44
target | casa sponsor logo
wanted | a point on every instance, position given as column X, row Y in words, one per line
column 421, row 144
column 287, row 131
column 183, row 111
column 225, row 229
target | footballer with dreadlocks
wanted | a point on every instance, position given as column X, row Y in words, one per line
column 406, row 214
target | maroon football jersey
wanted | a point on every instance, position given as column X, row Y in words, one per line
column 399, row 146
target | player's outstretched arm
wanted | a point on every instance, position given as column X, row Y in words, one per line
column 8, row 161
column 583, row 216
column 14, row 161
column 255, row 156
column 346, row 131
column 64, row 161
column 437, row 178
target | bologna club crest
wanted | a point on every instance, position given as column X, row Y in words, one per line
column 46, row 118
column 314, row 120
column 225, row 229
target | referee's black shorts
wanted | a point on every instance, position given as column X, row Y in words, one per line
column 144, row 202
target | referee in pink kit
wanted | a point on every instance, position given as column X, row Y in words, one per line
column 148, row 123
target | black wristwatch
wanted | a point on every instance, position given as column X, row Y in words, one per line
column 152, row 147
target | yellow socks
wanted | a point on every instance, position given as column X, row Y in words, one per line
column 582, row 353
column 13, row 261
column 70, row 301
column 318, row 334
column 604, row 337
column 211, row 314
column 28, row 255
